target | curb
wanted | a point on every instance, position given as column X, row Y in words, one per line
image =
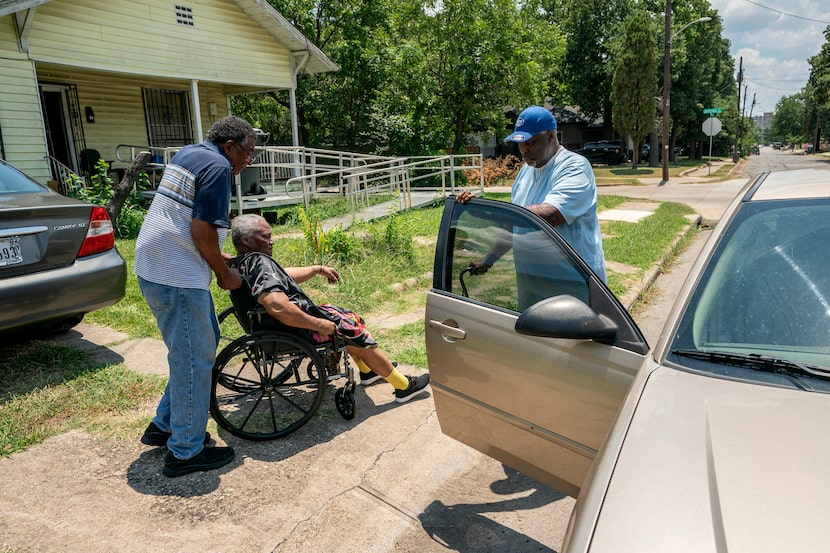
column 630, row 299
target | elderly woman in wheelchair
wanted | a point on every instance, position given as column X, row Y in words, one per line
column 261, row 390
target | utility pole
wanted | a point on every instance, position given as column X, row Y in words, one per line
column 736, row 155
column 666, row 93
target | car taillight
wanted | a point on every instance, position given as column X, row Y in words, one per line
column 100, row 236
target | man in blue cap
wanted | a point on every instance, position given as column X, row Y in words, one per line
column 557, row 185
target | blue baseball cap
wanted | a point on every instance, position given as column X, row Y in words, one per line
column 531, row 121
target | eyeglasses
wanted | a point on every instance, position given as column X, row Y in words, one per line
column 250, row 154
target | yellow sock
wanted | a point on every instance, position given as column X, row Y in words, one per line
column 399, row 381
column 363, row 367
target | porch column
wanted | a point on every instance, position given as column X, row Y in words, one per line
column 298, row 61
column 295, row 131
column 197, row 112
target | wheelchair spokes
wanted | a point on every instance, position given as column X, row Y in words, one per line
column 259, row 391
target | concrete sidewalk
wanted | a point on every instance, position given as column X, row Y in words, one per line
column 388, row 480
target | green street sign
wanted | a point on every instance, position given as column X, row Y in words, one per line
column 712, row 111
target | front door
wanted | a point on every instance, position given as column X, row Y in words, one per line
column 59, row 103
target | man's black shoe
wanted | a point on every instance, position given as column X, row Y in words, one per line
column 208, row 459
column 156, row 437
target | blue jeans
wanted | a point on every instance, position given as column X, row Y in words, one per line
column 187, row 321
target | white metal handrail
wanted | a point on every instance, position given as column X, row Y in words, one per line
column 289, row 174
column 68, row 180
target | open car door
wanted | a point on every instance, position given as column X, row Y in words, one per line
column 531, row 360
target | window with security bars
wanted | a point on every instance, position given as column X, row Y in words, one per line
column 168, row 117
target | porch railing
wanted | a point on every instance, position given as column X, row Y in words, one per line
column 69, row 182
column 284, row 175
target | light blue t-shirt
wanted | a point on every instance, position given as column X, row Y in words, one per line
column 566, row 182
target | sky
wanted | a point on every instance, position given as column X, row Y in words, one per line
column 775, row 38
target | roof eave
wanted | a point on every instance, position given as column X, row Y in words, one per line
column 286, row 33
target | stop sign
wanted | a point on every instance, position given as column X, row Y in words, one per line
column 712, row 126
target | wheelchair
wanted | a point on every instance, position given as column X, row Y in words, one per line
column 271, row 381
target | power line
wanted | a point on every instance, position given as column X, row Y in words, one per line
column 757, row 83
column 787, row 14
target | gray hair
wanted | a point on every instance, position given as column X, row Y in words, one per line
column 243, row 226
column 230, row 128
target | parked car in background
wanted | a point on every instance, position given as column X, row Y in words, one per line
column 646, row 150
column 611, row 152
column 712, row 439
column 58, row 259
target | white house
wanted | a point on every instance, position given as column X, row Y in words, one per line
column 93, row 74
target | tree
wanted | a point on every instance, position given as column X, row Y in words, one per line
column 788, row 123
column 333, row 109
column 702, row 71
column 590, row 26
column 818, row 90
column 634, row 81
column 461, row 62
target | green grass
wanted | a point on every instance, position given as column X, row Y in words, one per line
column 624, row 174
column 641, row 244
column 46, row 389
column 404, row 344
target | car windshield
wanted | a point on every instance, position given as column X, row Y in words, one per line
column 765, row 294
column 13, row 181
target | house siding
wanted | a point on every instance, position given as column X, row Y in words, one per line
column 143, row 38
column 119, row 109
column 21, row 124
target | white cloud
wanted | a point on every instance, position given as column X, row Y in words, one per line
column 775, row 46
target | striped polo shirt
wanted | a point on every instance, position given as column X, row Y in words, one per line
column 196, row 185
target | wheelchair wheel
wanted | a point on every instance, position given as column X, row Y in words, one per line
column 259, row 391
column 344, row 401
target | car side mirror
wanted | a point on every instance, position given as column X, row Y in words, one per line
column 565, row 317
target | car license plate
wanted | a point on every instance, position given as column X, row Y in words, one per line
column 10, row 253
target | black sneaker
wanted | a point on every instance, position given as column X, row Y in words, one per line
column 156, row 437
column 369, row 378
column 417, row 386
column 208, row 459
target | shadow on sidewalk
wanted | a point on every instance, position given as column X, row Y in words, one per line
column 465, row 526
column 144, row 474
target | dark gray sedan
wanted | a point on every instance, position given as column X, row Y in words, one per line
column 58, row 259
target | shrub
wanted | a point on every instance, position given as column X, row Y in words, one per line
column 99, row 191
column 335, row 243
column 495, row 169
column 396, row 240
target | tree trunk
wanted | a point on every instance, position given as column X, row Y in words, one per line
column 653, row 151
column 126, row 186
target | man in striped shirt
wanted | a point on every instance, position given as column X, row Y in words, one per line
column 176, row 254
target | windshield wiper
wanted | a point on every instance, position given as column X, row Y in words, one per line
column 756, row 362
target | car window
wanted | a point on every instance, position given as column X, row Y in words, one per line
column 13, row 181
column 536, row 267
column 767, row 289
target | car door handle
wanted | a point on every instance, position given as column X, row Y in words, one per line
column 448, row 331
